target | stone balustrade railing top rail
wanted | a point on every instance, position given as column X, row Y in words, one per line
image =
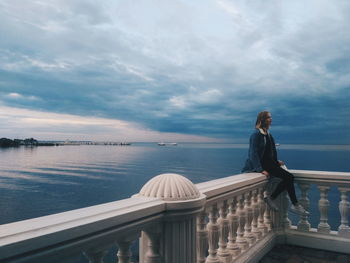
column 222, row 220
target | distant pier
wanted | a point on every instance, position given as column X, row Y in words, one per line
column 94, row 143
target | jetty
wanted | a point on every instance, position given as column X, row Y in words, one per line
column 68, row 142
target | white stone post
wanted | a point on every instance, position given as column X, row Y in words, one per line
column 233, row 226
column 124, row 246
column 262, row 208
column 202, row 237
column 240, row 240
column 124, row 251
column 267, row 215
column 255, row 206
column 344, row 209
column 284, row 210
column 95, row 255
column 304, row 224
column 174, row 239
column 249, row 219
column 213, row 235
column 153, row 251
column 323, row 204
column 179, row 239
column 223, row 221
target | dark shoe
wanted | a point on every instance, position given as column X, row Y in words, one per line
column 271, row 203
column 298, row 209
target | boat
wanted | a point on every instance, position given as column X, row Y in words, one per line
column 167, row 143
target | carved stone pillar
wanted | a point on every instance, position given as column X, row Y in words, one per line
column 95, row 255
column 202, row 237
column 153, row 251
column 213, row 235
column 323, row 204
column 240, row 240
column 124, row 252
column 304, row 224
column 267, row 214
column 233, row 226
column 175, row 238
column 178, row 243
column 249, row 218
column 223, row 222
column 344, row 209
column 124, row 246
column 286, row 223
column 255, row 206
column 262, row 208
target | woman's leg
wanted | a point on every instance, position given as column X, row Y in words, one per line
column 287, row 183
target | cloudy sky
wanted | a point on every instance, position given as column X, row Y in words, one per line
column 178, row 70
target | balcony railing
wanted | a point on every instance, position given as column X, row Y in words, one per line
column 224, row 220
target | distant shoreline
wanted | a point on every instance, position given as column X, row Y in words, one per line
column 30, row 142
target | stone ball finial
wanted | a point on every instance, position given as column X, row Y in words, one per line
column 170, row 187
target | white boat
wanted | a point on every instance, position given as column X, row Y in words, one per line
column 167, row 143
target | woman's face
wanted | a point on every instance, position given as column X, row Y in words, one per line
column 268, row 120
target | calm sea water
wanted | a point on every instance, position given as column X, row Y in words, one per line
column 45, row 180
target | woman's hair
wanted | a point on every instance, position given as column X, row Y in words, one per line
column 261, row 119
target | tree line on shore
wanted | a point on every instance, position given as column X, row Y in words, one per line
column 5, row 142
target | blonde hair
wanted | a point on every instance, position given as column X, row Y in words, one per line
column 261, row 120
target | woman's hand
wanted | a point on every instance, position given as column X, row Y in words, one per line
column 266, row 173
column 280, row 162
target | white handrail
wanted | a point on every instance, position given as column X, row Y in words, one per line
column 235, row 202
column 52, row 233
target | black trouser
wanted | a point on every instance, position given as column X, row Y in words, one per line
column 287, row 182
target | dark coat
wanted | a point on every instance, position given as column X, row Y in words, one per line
column 257, row 145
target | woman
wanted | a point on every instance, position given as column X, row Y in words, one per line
column 262, row 158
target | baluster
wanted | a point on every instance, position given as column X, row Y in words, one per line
column 95, row 255
column 255, row 206
column 262, row 209
column 344, row 209
column 202, row 237
column 223, row 253
column 323, row 204
column 233, row 226
column 124, row 252
column 249, row 218
column 285, row 204
column 267, row 215
column 303, row 223
column 152, row 254
column 240, row 240
column 213, row 235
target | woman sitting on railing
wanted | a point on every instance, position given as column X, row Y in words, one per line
column 262, row 158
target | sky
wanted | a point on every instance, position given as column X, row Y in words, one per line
column 175, row 70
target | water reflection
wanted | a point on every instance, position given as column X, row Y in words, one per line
column 45, row 180
column 311, row 147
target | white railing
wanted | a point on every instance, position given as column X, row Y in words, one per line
column 91, row 231
column 224, row 220
column 237, row 226
column 322, row 237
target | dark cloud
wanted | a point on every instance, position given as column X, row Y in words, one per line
column 194, row 68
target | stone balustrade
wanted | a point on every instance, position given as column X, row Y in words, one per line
column 173, row 220
column 322, row 236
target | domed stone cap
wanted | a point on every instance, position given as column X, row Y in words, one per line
column 170, row 187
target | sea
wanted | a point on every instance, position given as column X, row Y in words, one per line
column 38, row 181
